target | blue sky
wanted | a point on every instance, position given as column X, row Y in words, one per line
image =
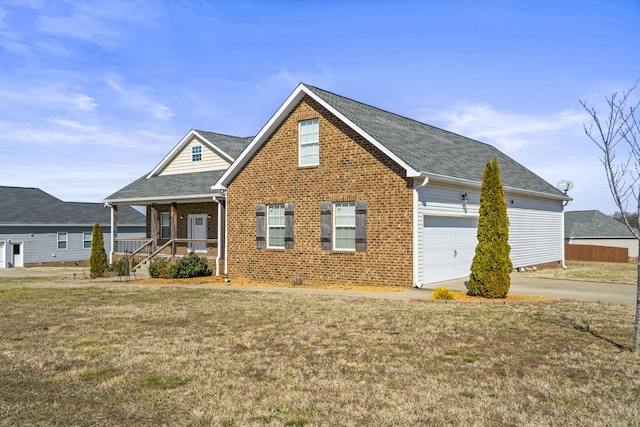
column 94, row 94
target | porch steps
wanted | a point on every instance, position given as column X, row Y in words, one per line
column 141, row 272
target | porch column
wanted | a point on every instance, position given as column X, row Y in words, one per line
column 173, row 227
column 114, row 231
column 222, row 226
column 154, row 226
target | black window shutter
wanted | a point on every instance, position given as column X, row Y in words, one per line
column 325, row 225
column 361, row 225
column 261, row 242
column 288, row 226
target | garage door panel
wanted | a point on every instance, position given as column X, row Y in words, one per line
column 449, row 247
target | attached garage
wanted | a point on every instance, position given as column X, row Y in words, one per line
column 449, row 246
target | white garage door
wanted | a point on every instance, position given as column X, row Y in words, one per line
column 2, row 255
column 449, row 247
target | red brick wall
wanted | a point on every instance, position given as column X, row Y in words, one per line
column 185, row 209
column 350, row 169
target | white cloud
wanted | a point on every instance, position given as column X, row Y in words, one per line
column 508, row 131
column 96, row 22
column 52, row 95
column 137, row 97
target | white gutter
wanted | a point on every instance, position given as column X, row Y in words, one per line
column 471, row 183
column 145, row 200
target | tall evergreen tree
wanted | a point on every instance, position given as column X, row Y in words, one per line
column 98, row 261
column 491, row 264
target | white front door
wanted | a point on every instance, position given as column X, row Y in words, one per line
column 3, row 255
column 18, row 260
column 197, row 229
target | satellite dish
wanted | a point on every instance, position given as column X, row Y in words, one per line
column 564, row 185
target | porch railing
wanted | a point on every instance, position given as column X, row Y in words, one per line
column 172, row 248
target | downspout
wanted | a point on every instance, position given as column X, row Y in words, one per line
column 220, row 227
column 416, row 235
column 112, row 237
column 564, row 266
column 226, row 237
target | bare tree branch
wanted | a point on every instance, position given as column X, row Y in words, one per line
column 619, row 135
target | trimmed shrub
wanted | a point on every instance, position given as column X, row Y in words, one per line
column 98, row 262
column 120, row 267
column 161, row 268
column 442, row 293
column 191, row 266
column 491, row 264
column 184, row 268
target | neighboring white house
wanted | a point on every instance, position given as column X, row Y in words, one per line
column 37, row 229
column 594, row 228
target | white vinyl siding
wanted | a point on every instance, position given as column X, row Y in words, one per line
column 309, row 143
column 164, row 225
column 183, row 162
column 275, row 226
column 344, row 225
column 535, row 223
column 87, row 237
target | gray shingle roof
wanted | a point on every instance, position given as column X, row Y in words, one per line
column 22, row 205
column 168, row 186
column 432, row 150
column 593, row 224
column 231, row 145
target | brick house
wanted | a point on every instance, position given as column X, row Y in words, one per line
column 335, row 191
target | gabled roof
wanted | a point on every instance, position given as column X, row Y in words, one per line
column 593, row 224
column 194, row 185
column 32, row 206
column 226, row 146
column 421, row 149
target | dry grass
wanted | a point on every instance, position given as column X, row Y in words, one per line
column 609, row 272
column 111, row 354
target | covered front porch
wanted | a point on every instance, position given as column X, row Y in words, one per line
column 174, row 229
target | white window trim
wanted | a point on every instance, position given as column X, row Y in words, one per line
column 168, row 226
column 66, row 241
column 334, row 227
column 85, row 240
column 300, row 143
column 194, row 154
column 268, row 227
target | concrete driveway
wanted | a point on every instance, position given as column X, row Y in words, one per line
column 521, row 284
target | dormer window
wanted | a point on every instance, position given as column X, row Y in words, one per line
column 196, row 153
column 308, row 143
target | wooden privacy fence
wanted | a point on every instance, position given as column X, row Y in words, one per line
column 595, row 253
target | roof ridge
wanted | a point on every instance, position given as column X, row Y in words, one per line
column 221, row 134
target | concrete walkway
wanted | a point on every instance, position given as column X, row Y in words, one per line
column 521, row 284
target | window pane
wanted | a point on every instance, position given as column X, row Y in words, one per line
column 346, row 238
column 275, row 223
column 308, row 140
column 62, row 240
column 87, row 238
column 196, row 153
column 345, row 225
column 164, row 225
